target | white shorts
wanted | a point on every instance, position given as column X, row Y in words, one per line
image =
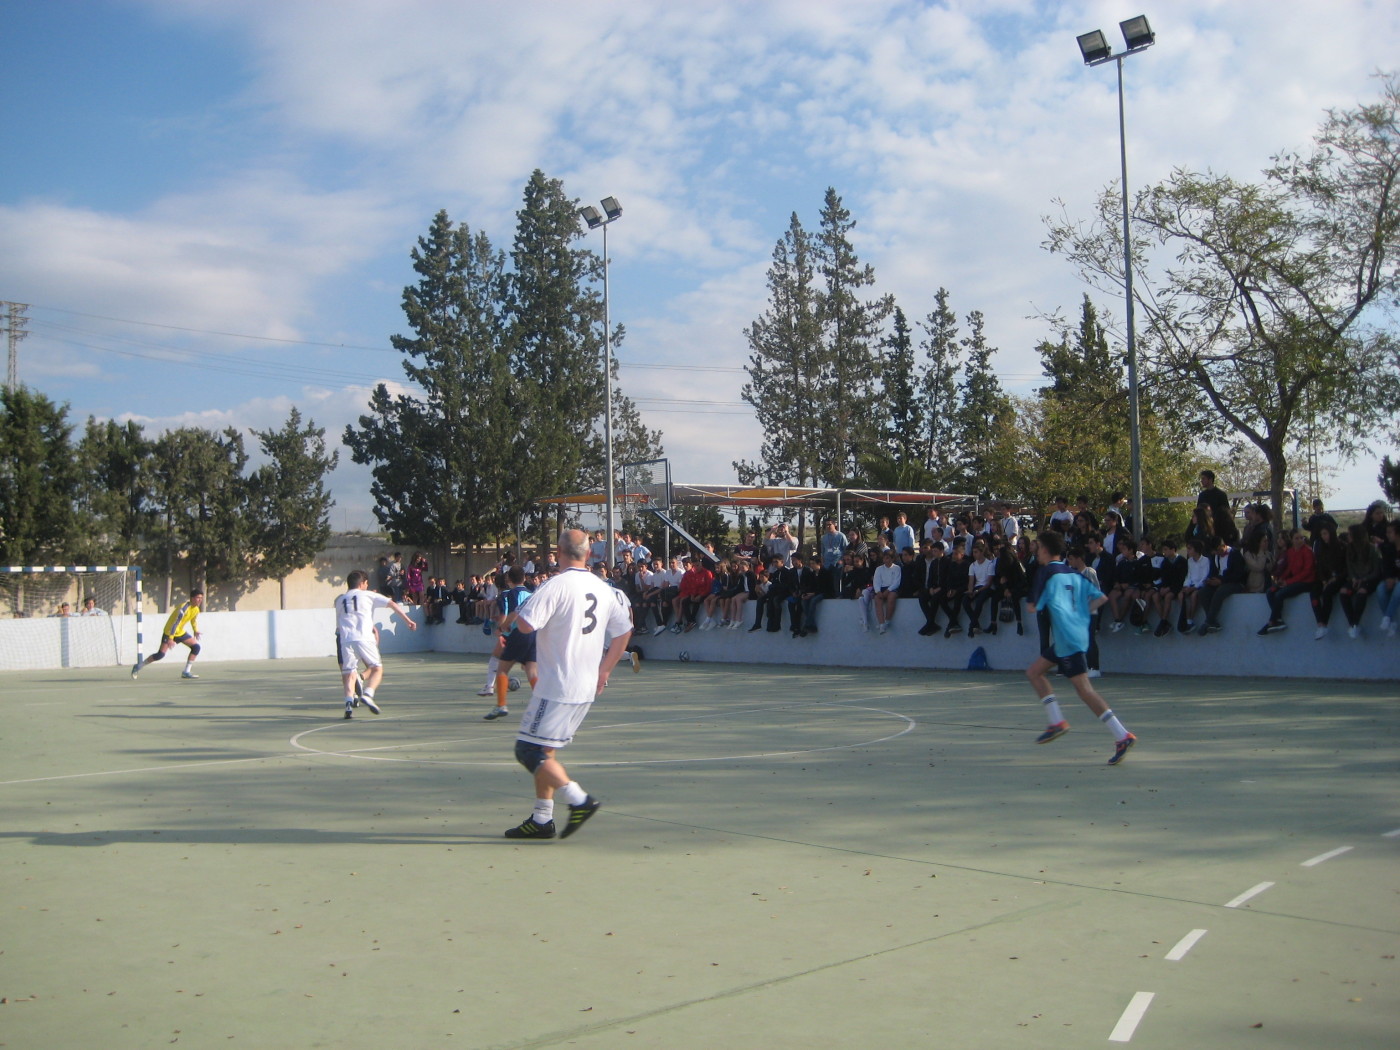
column 353, row 653
column 550, row 723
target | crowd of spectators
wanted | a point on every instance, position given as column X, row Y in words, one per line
column 974, row 572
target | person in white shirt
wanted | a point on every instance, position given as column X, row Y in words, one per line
column 1197, row 572
column 571, row 615
column 356, row 641
column 886, row 590
column 980, row 573
column 90, row 608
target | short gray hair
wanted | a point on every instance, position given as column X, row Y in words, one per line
column 573, row 544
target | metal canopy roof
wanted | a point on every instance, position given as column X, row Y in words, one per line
column 687, row 495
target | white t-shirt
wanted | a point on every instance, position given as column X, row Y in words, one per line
column 354, row 614
column 572, row 613
column 887, row 577
column 981, row 572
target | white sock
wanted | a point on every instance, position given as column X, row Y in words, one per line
column 1114, row 726
column 544, row 810
column 1052, row 710
column 573, row 794
column 491, row 665
column 367, row 693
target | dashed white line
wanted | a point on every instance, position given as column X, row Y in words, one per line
column 1391, row 834
column 1313, row 862
column 1185, row 945
column 1127, row 1024
column 1252, row 892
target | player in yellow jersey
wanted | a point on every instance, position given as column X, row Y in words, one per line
column 182, row 626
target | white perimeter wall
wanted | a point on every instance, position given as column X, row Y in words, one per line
column 1235, row 652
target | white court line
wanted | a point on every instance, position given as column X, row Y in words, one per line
column 152, row 769
column 1253, row 891
column 1315, row 861
column 360, row 753
column 1127, row 1024
column 1185, row 945
column 1392, row 834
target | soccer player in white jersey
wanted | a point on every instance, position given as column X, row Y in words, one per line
column 354, row 635
column 571, row 614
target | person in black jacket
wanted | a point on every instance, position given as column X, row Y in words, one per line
column 1221, row 513
column 954, row 588
column 1228, row 575
column 930, row 571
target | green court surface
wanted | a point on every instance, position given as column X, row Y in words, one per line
column 785, row 858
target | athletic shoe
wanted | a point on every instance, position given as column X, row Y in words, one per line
column 636, row 662
column 1054, row 732
column 368, row 701
column 676, row 628
column 951, row 630
column 1121, row 749
column 1266, row 629
column 1354, row 631
column 1279, row 626
column 1188, row 626
column 495, row 713
column 884, row 627
column 1144, row 629
column 191, row 674
column 486, row 690
column 1163, row 629
column 136, row 669
column 660, row 629
column 926, row 630
column 578, row 814
column 1320, row 633
column 1385, row 624
column 972, row 631
column 528, row 829
column 1116, row 626
column 359, row 688
column 1094, row 672
column 348, row 715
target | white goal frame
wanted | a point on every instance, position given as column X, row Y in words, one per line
column 91, row 570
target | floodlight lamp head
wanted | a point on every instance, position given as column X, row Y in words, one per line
column 611, row 208
column 592, row 216
column 1094, row 47
column 1137, row 34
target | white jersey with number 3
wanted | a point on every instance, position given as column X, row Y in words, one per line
column 572, row 614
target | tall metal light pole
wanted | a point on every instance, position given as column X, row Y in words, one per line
column 611, row 211
column 1137, row 36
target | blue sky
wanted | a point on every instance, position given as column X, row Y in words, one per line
column 244, row 180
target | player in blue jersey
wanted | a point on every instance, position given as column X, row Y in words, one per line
column 515, row 647
column 1070, row 599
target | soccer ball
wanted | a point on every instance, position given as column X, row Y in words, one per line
column 514, row 683
column 684, row 656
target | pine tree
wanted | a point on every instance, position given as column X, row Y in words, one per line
column 939, row 388
column 38, row 479
column 114, row 494
column 848, row 364
column 553, row 316
column 288, row 504
column 445, row 463
column 199, row 495
column 783, row 383
column 983, row 410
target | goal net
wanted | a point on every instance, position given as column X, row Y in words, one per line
column 69, row 616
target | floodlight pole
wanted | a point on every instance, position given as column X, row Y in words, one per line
column 608, row 537
column 1134, row 417
column 590, row 215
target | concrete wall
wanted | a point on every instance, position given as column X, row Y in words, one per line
column 1235, row 652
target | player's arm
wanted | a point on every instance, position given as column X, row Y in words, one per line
column 403, row 614
column 616, row 649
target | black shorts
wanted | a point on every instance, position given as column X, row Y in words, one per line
column 519, row 648
column 1071, row 666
